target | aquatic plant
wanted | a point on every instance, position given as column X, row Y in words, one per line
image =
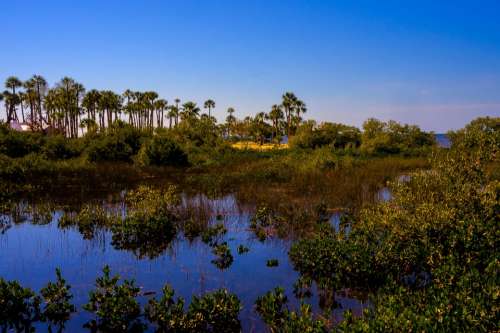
column 19, row 307
column 114, row 305
column 145, row 238
column 272, row 263
column 272, row 307
column 213, row 234
column 88, row 220
column 57, row 302
column 429, row 254
column 242, row 249
column 167, row 313
column 212, row 313
column 224, row 257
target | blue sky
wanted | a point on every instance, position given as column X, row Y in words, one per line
column 432, row 63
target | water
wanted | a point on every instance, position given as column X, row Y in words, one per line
column 30, row 253
column 443, row 140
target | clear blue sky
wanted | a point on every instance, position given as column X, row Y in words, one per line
column 433, row 63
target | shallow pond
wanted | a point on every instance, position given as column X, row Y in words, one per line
column 30, row 253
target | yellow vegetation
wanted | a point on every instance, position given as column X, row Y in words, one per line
column 256, row 146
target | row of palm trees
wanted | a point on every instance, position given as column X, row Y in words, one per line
column 69, row 108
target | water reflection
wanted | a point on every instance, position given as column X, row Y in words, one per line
column 155, row 254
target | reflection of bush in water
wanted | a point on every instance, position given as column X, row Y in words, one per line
column 88, row 220
column 149, row 227
column 146, row 238
column 224, row 257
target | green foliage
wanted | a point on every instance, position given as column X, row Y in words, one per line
column 89, row 220
column 144, row 237
column 214, row 312
column 18, row 144
column 60, row 148
column 430, row 253
column 19, row 307
column 118, row 144
column 114, row 305
column 213, row 234
column 337, row 136
column 272, row 307
column 162, row 150
column 167, row 313
column 481, row 133
column 381, row 138
column 224, row 257
column 57, row 297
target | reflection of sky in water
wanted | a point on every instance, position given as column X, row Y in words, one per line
column 30, row 253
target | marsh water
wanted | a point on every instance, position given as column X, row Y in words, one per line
column 30, row 251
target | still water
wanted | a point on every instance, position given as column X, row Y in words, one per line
column 30, row 253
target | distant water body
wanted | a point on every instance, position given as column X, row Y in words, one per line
column 443, row 140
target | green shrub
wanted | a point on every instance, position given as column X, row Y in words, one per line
column 272, row 307
column 213, row 313
column 60, row 148
column 118, row 144
column 18, row 144
column 336, row 136
column 19, row 307
column 56, row 297
column 163, row 151
column 114, row 305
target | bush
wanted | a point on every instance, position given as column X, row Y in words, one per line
column 383, row 138
column 19, row 307
column 114, row 305
column 337, row 136
column 272, row 307
column 118, row 144
column 60, row 148
column 18, row 144
column 162, row 150
column 215, row 312
column 57, row 297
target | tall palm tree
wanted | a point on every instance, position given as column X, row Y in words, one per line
column 300, row 108
column 128, row 95
column 230, row 119
column 160, row 106
column 190, row 110
column 209, row 104
column 173, row 113
column 288, row 102
column 90, row 104
column 177, row 101
column 276, row 114
column 12, row 83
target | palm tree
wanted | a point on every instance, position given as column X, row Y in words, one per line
column 12, row 83
column 190, row 110
column 230, row 119
column 177, row 101
column 209, row 104
column 300, row 107
column 90, row 104
column 275, row 115
column 160, row 106
column 173, row 113
column 288, row 102
column 129, row 95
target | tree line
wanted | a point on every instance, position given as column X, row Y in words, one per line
column 69, row 109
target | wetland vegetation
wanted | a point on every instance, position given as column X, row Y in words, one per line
column 376, row 229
